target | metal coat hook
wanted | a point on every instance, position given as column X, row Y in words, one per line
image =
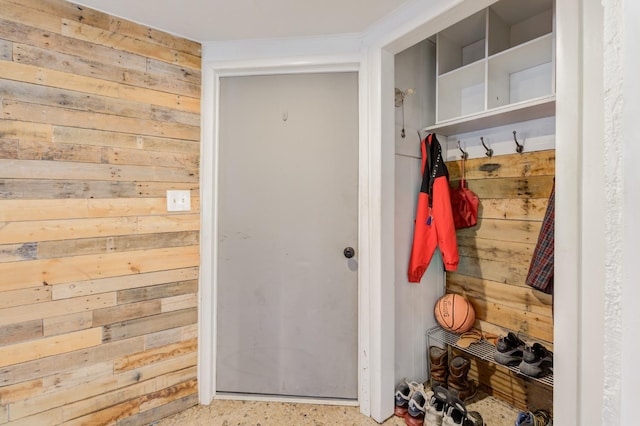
column 519, row 147
column 489, row 152
column 465, row 154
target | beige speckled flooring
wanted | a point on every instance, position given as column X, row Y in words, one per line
column 249, row 413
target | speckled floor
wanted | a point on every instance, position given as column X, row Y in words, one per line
column 250, row 413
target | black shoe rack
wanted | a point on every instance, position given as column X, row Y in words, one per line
column 482, row 349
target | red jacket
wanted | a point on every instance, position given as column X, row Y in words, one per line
column 434, row 225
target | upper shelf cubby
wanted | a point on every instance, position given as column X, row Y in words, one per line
column 498, row 59
column 463, row 43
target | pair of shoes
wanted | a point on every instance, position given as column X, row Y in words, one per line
column 533, row 361
column 404, row 392
column 537, row 418
column 436, row 408
column 452, row 376
column 417, row 409
column 536, row 361
column 445, row 409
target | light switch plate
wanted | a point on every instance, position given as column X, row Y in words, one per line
column 178, row 200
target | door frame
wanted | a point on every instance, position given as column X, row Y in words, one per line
column 207, row 329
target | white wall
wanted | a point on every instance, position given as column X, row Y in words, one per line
column 414, row 69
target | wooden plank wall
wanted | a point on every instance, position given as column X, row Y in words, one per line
column 495, row 256
column 98, row 283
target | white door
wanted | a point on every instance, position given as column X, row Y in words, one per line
column 287, row 210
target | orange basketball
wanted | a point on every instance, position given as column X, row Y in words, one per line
column 455, row 313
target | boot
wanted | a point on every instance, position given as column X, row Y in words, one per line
column 458, row 383
column 438, row 358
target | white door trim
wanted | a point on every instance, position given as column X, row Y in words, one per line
column 212, row 72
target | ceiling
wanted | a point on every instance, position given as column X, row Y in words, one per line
column 221, row 20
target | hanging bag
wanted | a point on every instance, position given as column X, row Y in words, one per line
column 464, row 204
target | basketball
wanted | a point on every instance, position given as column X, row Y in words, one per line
column 455, row 313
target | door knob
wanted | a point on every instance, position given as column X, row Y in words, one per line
column 349, row 252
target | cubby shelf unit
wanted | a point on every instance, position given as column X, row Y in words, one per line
column 495, row 62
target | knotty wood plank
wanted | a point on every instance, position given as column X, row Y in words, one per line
column 166, row 410
column 61, row 170
column 123, row 140
column 50, row 249
column 67, row 80
column 56, row 364
column 504, row 251
column 107, row 386
column 36, row 189
column 192, row 75
column 52, row 96
column 151, row 324
column 25, row 297
column 175, row 222
column 157, row 291
column 29, row 40
column 20, row 391
column 29, row 150
column 537, row 163
column 100, row 68
column 513, row 208
column 77, row 377
column 20, row 130
column 102, row 391
column 56, row 308
column 68, row 10
column 108, row 415
column 17, row 13
column 503, row 272
column 529, row 323
column 16, row 252
column 121, row 313
column 167, row 337
column 151, row 35
column 149, row 158
column 176, row 303
column 518, row 231
column 155, row 355
column 15, row 110
column 67, row 323
column 525, row 298
column 9, row 148
column 69, row 208
column 6, row 50
column 18, row 275
column 49, row 230
column 169, row 394
column 121, row 41
column 104, row 285
column 107, row 408
column 525, row 187
column 48, row 346
column 18, row 331
column 45, row 418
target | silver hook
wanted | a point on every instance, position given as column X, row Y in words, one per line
column 489, row 152
column 519, row 147
column 465, row 154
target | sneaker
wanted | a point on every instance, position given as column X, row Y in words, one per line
column 509, row 350
column 404, row 392
column 456, row 414
column 538, row 418
column 536, row 360
column 417, row 407
column 436, row 407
